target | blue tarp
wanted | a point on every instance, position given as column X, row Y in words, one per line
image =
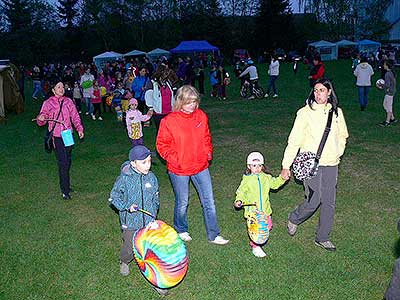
column 368, row 46
column 194, row 46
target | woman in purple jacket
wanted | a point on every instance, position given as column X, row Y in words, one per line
column 63, row 110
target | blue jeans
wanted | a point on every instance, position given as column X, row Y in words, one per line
column 272, row 80
column 363, row 95
column 89, row 105
column 37, row 88
column 203, row 185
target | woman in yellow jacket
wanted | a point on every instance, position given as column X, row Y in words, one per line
column 253, row 194
column 306, row 135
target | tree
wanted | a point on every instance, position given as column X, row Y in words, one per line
column 274, row 23
column 17, row 14
column 67, row 12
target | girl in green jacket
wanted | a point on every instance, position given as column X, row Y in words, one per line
column 253, row 194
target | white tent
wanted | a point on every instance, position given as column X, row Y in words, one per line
column 102, row 58
column 156, row 53
column 135, row 53
column 346, row 48
column 327, row 50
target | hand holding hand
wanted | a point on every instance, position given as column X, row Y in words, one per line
column 285, row 174
column 238, row 204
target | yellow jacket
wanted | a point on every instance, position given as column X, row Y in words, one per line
column 307, row 132
column 254, row 189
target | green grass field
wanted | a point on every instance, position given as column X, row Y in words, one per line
column 52, row 249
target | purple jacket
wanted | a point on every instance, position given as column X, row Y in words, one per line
column 69, row 115
column 133, row 123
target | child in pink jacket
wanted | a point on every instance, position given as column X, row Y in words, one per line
column 134, row 119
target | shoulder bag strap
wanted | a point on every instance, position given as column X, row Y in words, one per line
column 325, row 136
column 59, row 112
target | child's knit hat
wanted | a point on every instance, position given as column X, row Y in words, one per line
column 133, row 101
column 255, row 158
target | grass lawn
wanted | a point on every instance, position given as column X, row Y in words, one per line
column 52, row 249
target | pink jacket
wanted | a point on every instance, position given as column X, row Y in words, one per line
column 69, row 115
column 133, row 123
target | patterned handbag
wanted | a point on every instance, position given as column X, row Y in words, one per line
column 305, row 165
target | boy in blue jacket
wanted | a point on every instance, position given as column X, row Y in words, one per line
column 136, row 188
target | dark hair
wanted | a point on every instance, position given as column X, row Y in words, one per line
column 317, row 57
column 363, row 59
column 332, row 99
column 264, row 169
column 388, row 63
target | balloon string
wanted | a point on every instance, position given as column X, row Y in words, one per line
column 147, row 213
column 52, row 120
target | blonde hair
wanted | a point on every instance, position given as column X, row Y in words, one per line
column 186, row 94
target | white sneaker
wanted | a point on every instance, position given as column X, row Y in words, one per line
column 185, row 236
column 258, row 252
column 93, row 117
column 100, row 119
column 219, row 240
column 266, row 95
column 123, row 269
column 87, row 113
column 275, row 96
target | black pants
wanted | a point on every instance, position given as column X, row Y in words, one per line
column 63, row 155
column 97, row 109
column 126, row 253
column 157, row 120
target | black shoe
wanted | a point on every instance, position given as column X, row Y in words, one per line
column 362, row 108
column 66, row 196
column 393, row 121
column 384, row 124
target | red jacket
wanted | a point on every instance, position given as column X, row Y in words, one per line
column 318, row 71
column 184, row 141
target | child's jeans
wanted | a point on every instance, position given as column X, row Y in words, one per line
column 126, row 254
column 270, row 225
column 89, row 105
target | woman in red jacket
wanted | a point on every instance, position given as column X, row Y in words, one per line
column 184, row 141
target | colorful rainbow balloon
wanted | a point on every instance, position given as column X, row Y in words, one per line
column 160, row 254
column 257, row 227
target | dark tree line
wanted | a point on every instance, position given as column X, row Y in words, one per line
column 37, row 31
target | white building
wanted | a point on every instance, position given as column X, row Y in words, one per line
column 393, row 16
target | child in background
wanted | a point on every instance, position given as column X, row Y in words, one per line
column 136, row 188
column 134, row 119
column 253, row 193
column 390, row 90
column 77, row 96
column 214, row 81
column 117, row 99
column 96, row 101
column 125, row 102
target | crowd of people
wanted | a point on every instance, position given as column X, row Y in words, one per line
column 138, row 91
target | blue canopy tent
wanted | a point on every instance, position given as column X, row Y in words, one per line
column 134, row 53
column 194, row 47
column 368, row 46
column 101, row 59
column 327, row 50
column 156, row 53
